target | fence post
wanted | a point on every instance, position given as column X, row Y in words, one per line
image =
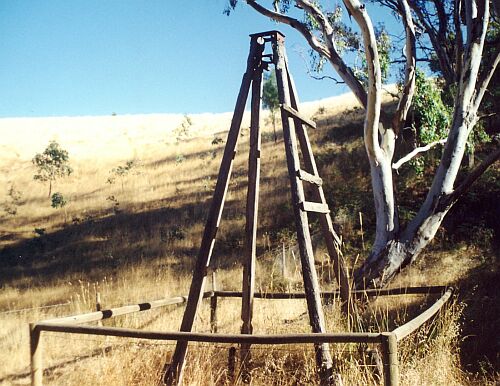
column 98, row 305
column 283, row 262
column 390, row 353
column 36, row 355
column 213, row 306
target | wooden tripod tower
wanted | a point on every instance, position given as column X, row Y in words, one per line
column 295, row 136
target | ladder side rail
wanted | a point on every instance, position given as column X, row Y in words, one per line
column 312, row 290
column 332, row 240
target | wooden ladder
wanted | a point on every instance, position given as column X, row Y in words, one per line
column 295, row 136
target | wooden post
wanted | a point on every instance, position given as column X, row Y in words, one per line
column 312, row 290
column 251, row 213
column 98, row 306
column 36, row 355
column 231, row 364
column 390, row 353
column 174, row 373
column 283, row 262
column 213, row 306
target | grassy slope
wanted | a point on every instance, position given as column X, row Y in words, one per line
column 144, row 247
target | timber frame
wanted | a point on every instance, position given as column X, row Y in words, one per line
column 295, row 136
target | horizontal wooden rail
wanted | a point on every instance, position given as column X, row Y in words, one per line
column 360, row 337
column 407, row 328
column 124, row 310
column 356, row 293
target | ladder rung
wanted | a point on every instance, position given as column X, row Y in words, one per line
column 294, row 113
column 317, row 207
column 305, row 176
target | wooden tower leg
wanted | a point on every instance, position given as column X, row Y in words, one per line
column 312, row 290
column 251, row 220
column 173, row 375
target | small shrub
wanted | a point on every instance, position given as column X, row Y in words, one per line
column 179, row 158
column 217, row 141
column 58, row 201
column 39, row 231
column 173, row 233
column 121, row 172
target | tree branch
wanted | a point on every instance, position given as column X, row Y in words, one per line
column 416, row 151
column 486, row 80
column 452, row 198
column 459, row 40
column 437, row 44
column 337, row 62
column 410, row 70
column 294, row 23
column 373, row 104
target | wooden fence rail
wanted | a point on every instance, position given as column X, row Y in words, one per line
column 388, row 340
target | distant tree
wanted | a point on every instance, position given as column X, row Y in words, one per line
column 121, row 172
column 52, row 164
column 270, row 98
column 182, row 131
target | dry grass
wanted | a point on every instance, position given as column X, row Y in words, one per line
column 136, row 240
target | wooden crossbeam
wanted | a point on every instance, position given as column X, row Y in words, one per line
column 316, row 207
column 305, row 176
column 295, row 114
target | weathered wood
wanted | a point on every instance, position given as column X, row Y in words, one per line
column 285, row 339
column 407, row 328
column 332, row 294
column 313, row 179
column 312, row 290
column 213, row 306
column 295, row 114
column 252, row 206
column 174, row 372
column 36, row 355
column 390, row 353
column 251, row 216
column 124, row 310
column 332, row 240
column 98, row 306
column 316, row 207
column 231, row 364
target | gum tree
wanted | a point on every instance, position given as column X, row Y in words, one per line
column 52, row 164
column 459, row 50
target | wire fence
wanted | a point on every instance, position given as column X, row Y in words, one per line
column 15, row 311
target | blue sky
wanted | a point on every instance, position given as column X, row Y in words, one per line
column 98, row 57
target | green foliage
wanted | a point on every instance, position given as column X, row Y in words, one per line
column 384, row 48
column 58, row 201
column 270, row 98
column 52, row 164
column 179, row 158
column 431, row 116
